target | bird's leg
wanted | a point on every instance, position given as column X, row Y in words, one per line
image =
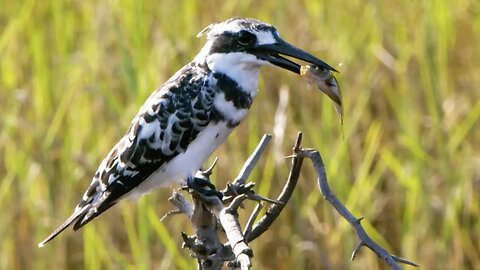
column 203, row 186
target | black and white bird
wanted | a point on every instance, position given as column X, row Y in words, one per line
column 187, row 118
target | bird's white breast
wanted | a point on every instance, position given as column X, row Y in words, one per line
column 186, row 164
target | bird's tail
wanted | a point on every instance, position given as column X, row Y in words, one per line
column 76, row 215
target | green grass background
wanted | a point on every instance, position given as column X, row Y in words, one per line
column 74, row 73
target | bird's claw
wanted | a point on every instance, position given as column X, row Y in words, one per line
column 203, row 187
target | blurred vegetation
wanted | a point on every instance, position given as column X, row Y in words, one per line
column 74, row 73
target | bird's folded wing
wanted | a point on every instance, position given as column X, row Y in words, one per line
column 168, row 121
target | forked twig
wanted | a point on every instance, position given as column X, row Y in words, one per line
column 207, row 248
column 365, row 239
column 274, row 210
column 211, row 253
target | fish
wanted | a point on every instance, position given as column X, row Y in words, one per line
column 326, row 82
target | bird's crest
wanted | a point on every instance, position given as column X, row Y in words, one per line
column 235, row 24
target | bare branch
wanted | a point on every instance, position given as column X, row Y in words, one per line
column 210, row 253
column 209, row 171
column 236, row 203
column 171, row 213
column 229, row 220
column 205, row 244
column 208, row 208
column 183, row 206
column 404, row 261
column 356, row 249
column 365, row 239
column 252, row 161
column 252, row 218
column 258, row 198
column 274, row 210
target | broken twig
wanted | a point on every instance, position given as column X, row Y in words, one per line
column 208, row 210
column 365, row 239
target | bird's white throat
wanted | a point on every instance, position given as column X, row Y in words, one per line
column 241, row 67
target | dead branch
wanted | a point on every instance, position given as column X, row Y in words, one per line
column 205, row 244
column 207, row 211
column 252, row 161
column 274, row 210
column 365, row 240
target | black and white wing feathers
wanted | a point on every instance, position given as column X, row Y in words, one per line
column 169, row 120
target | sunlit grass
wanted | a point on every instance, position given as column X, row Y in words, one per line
column 73, row 74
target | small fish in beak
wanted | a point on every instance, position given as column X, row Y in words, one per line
column 326, row 82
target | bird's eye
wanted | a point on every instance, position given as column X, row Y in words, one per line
column 246, row 38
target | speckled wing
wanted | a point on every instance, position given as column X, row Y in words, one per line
column 169, row 120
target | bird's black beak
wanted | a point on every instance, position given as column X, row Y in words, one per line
column 273, row 54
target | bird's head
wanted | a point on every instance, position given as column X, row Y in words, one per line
column 250, row 43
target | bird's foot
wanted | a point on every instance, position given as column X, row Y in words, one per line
column 203, row 187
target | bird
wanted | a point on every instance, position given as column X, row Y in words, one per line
column 189, row 116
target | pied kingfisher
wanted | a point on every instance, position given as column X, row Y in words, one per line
column 187, row 118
